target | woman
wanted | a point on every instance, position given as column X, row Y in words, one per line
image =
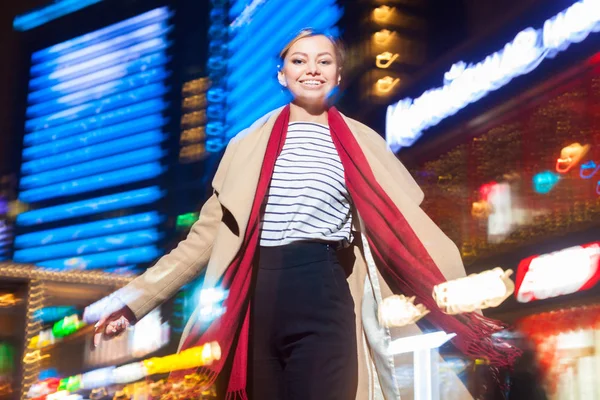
column 299, row 190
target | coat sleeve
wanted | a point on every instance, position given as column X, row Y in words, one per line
column 185, row 262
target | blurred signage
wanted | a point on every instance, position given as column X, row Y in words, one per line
column 466, row 83
column 558, row 273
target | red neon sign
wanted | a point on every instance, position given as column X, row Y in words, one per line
column 558, row 273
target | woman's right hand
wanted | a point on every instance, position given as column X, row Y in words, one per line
column 113, row 325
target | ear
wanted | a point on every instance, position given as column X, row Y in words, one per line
column 281, row 78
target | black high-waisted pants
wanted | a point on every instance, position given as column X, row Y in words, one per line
column 303, row 332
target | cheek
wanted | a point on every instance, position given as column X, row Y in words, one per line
column 291, row 74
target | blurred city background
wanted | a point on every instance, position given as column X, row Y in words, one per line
column 115, row 113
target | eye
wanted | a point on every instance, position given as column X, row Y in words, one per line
column 326, row 62
column 297, row 61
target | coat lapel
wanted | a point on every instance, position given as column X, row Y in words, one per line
column 237, row 193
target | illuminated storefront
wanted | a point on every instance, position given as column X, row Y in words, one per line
column 507, row 152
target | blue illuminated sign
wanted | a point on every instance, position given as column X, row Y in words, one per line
column 258, row 32
column 92, row 152
column 59, row 8
column 88, row 246
column 105, row 260
column 119, row 161
column 92, row 206
column 89, row 230
column 94, row 182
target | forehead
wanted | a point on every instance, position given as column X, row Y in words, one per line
column 313, row 45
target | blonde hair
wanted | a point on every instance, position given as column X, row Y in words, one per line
column 310, row 32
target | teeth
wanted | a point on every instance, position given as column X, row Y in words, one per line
column 312, row 83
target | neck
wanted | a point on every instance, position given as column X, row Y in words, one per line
column 308, row 113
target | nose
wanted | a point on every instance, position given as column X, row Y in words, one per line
column 313, row 68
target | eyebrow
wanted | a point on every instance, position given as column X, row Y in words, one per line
column 318, row 55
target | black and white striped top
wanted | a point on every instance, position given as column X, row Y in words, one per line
column 307, row 198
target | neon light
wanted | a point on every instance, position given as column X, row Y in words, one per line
column 91, row 206
column 93, row 93
column 100, row 181
column 474, row 292
column 96, row 107
column 88, row 246
column 385, row 59
column 148, row 336
column 211, row 303
column 108, row 118
column 245, row 16
column 465, row 84
column 545, row 181
column 185, row 221
column 398, row 310
column 51, row 314
column 97, row 78
column 90, row 153
column 585, row 168
column 58, row 9
column 501, row 219
column 100, row 49
column 570, row 156
column 97, row 378
column 88, row 39
column 67, row 326
column 558, row 273
column 93, row 167
column 107, row 57
column 104, row 260
column 386, row 84
column 90, row 138
column 130, row 372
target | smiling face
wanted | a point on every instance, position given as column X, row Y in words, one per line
column 310, row 70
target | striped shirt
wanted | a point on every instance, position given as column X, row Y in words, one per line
column 307, row 198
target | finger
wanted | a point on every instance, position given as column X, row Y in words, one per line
column 98, row 331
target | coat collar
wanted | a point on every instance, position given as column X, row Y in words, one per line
column 239, row 185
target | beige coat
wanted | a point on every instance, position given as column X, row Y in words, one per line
column 217, row 236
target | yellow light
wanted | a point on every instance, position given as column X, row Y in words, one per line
column 383, row 36
column 34, row 356
column 193, row 135
column 385, row 59
column 194, row 102
column 8, row 300
column 386, row 84
column 191, row 358
column 481, row 209
column 193, row 119
column 474, row 292
column 192, row 153
column 570, row 156
column 196, row 86
column 383, row 13
column 399, row 310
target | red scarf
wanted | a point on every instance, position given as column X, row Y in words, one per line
column 395, row 246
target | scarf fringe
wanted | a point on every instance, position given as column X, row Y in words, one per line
column 237, row 395
column 499, row 353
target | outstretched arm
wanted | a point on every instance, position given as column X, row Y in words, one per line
column 169, row 274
